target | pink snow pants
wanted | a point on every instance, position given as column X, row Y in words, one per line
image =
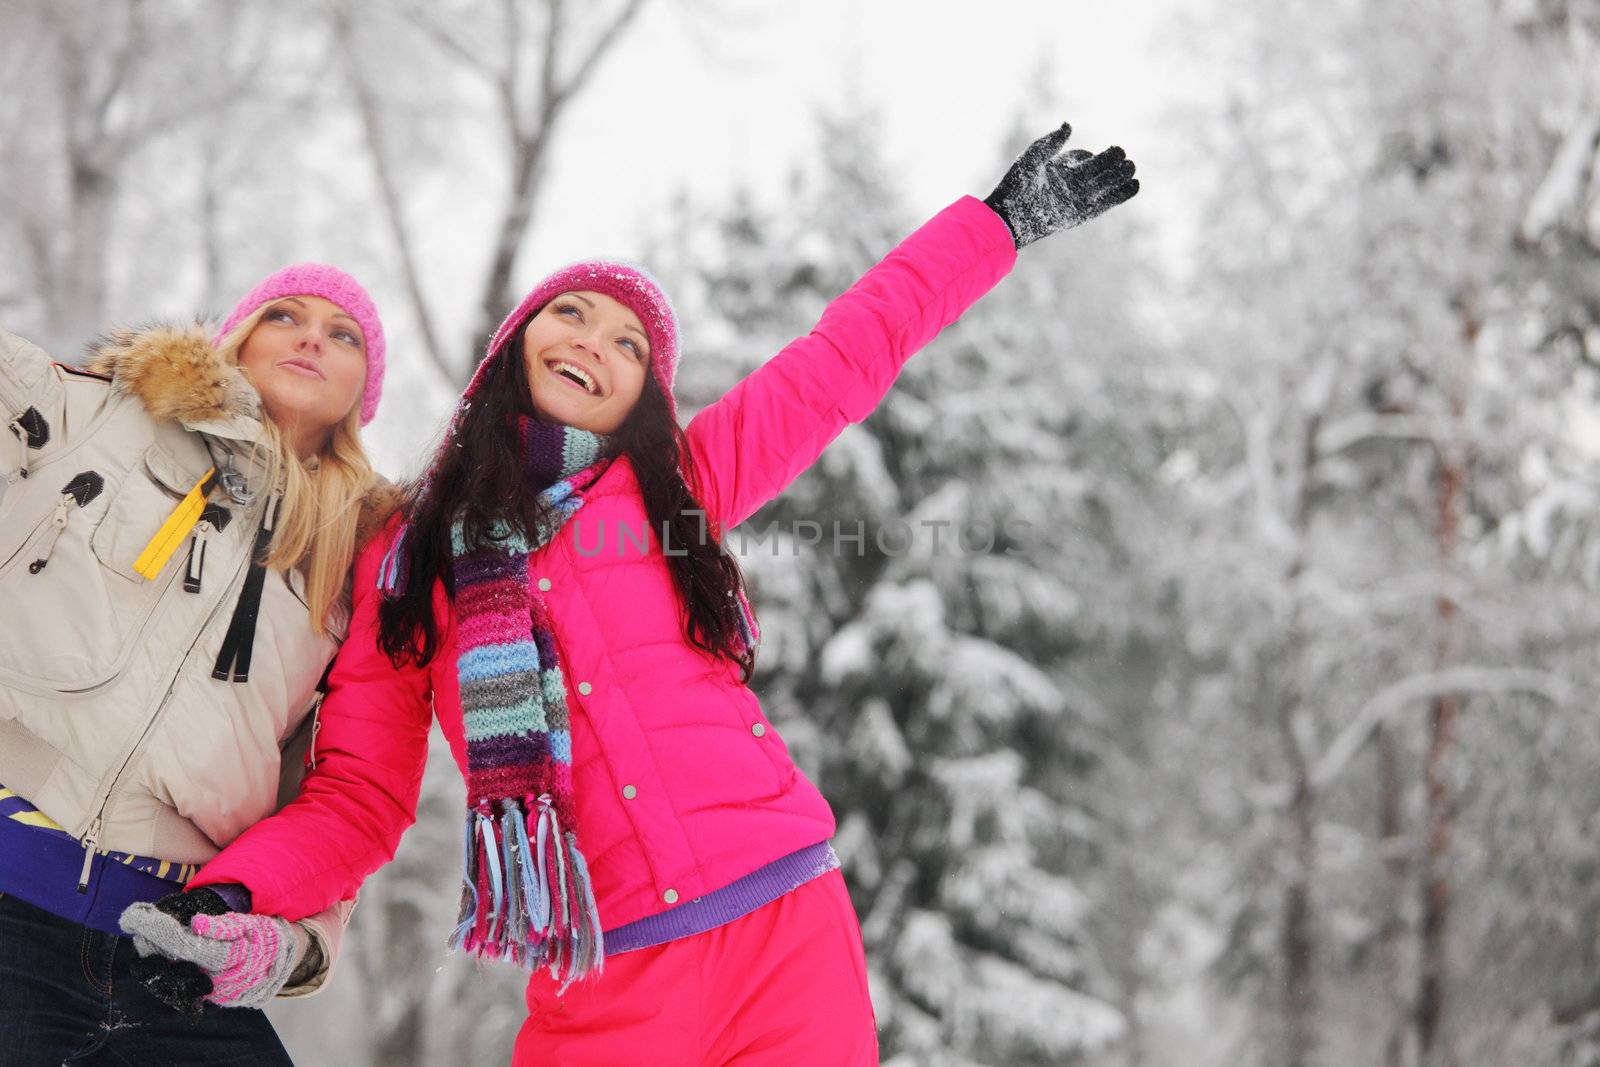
column 785, row 985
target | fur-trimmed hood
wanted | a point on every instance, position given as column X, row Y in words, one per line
column 177, row 374
column 180, row 376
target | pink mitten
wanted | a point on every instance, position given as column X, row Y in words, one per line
column 258, row 954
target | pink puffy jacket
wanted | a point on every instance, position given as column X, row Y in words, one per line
column 682, row 786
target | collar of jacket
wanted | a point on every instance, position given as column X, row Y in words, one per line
column 180, row 376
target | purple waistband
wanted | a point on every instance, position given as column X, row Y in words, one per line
column 43, row 869
column 721, row 906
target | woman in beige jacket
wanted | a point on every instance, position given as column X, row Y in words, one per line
column 177, row 524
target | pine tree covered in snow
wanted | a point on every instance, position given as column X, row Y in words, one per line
column 928, row 681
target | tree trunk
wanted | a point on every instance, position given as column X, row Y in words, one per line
column 1392, row 849
column 1436, row 885
column 369, row 111
column 90, row 214
column 1297, row 939
column 497, row 298
column 210, row 230
column 91, row 172
column 1454, row 463
column 1296, row 944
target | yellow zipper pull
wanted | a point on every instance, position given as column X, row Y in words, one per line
column 175, row 529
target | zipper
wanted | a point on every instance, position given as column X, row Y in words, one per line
column 214, row 519
column 90, row 840
column 32, row 431
column 83, row 488
column 197, row 557
column 16, row 427
column 316, row 728
column 58, row 522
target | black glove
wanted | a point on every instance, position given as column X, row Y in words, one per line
column 179, row 984
column 1043, row 192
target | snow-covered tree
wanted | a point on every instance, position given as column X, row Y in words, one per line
column 928, row 674
column 1381, row 406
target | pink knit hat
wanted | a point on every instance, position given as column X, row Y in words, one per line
column 630, row 285
column 337, row 287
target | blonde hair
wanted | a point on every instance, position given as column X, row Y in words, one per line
column 315, row 528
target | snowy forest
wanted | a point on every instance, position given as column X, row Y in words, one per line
column 1273, row 744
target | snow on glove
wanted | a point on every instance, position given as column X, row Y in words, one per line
column 1044, row 192
column 242, row 959
column 178, row 983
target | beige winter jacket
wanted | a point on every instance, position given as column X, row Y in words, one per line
column 110, row 720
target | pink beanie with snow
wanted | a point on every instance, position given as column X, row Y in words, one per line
column 629, row 285
column 336, row 287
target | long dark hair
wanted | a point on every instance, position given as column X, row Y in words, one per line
column 478, row 476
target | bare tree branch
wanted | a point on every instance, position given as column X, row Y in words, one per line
column 1371, row 426
column 1421, row 687
column 223, row 98
column 120, row 68
column 549, row 101
column 603, row 43
column 367, row 109
column 510, row 80
column 1255, row 432
column 470, row 59
column 1562, row 186
column 529, row 136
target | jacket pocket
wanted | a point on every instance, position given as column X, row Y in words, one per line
column 75, row 607
column 144, row 500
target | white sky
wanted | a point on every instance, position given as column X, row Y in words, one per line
column 686, row 102
column 704, row 108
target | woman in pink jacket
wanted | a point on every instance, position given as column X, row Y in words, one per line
column 559, row 596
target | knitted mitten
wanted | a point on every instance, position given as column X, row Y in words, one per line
column 261, row 952
column 248, row 958
column 179, row 983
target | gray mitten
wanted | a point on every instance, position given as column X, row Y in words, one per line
column 248, row 958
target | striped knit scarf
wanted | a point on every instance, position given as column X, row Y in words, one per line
column 526, row 894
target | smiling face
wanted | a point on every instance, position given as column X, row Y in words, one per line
column 308, row 360
column 586, row 356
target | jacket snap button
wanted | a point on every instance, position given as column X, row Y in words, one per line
column 629, row 792
column 544, row 585
column 585, row 688
column 758, row 729
column 670, row 896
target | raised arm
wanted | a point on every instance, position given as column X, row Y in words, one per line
column 748, row 446
column 753, row 442
column 360, row 796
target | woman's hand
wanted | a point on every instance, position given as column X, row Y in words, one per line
column 192, row 947
column 1044, row 192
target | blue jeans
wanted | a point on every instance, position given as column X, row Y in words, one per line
column 66, row 997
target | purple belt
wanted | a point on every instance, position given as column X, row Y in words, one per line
column 733, row 901
column 43, row 867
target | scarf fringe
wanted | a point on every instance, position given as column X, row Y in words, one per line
column 389, row 576
column 526, row 895
column 749, row 630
